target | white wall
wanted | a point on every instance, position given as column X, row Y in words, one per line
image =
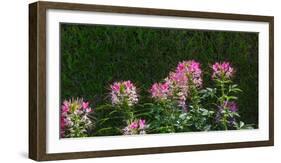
column 14, row 80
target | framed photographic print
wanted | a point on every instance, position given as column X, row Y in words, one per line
column 111, row 81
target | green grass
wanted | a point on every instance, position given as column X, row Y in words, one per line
column 94, row 56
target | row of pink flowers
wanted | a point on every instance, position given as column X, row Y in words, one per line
column 177, row 86
column 187, row 74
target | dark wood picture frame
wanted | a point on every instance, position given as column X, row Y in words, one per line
column 37, row 79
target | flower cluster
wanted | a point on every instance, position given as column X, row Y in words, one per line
column 222, row 70
column 136, row 127
column 232, row 107
column 123, row 93
column 74, row 120
column 191, row 69
column 177, row 84
column 159, row 91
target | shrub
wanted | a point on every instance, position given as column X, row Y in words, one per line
column 180, row 104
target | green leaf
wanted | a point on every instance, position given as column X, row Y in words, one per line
column 241, row 124
column 143, row 114
column 112, row 112
column 103, row 107
column 101, row 121
column 231, row 98
column 183, row 116
column 104, row 129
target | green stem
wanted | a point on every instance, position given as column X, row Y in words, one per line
column 129, row 113
column 222, row 92
column 224, row 122
column 194, row 97
column 222, row 103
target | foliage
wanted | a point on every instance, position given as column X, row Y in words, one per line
column 180, row 104
column 95, row 56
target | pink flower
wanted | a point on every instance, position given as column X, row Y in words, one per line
column 115, row 87
column 88, row 110
column 216, row 67
column 178, row 78
column 62, row 128
column 180, row 67
column 128, row 84
column 62, row 123
column 134, row 125
column 64, row 108
column 187, row 75
column 142, row 124
column 85, row 105
column 66, row 103
column 182, row 101
column 190, row 71
column 231, row 105
column 74, row 112
column 195, row 67
column 123, row 92
column 159, row 91
column 222, row 70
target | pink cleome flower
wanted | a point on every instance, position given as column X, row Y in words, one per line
column 74, row 108
column 142, row 124
column 160, row 91
column 178, row 83
column 231, row 105
column 222, row 70
column 191, row 70
column 123, row 92
column 85, row 105
column 136, row 127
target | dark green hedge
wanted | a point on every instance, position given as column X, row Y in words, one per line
column 94, row 56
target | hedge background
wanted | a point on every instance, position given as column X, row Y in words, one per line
column 94, row 56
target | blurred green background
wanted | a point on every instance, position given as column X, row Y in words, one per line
column 94, row 56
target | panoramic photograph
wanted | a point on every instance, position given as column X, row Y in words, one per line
column 126, row 80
